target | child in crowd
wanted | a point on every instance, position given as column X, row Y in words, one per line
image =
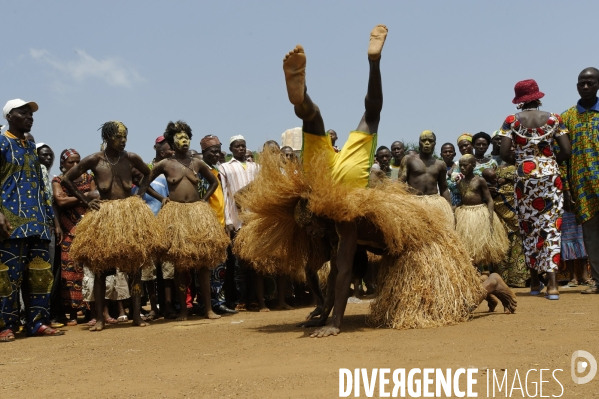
column 476, row 223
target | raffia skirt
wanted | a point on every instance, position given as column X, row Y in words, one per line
column 484, row 244
column 122, row 234
column 440, row 203
column 193, row 236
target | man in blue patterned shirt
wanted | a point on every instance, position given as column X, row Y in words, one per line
column 26, row 220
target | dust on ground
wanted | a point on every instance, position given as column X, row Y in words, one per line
column 263, row 355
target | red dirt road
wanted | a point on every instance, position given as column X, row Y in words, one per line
column 263, row 355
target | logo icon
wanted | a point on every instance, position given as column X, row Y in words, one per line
column 589, row 364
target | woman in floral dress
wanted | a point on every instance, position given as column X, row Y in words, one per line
column 538, row 186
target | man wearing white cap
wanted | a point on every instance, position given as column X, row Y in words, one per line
column 235, row 175
column 26, row 220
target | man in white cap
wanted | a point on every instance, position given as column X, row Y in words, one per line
column 235, row 175
column 26, row 221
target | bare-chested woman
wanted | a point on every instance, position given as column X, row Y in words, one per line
column 181, row 172
column 112, row 171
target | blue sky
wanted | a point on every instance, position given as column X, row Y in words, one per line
column 446, row 66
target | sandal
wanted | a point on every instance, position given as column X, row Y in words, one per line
column 573, row 283
column 7, row 335
column 55, row 324
column 91, row 323
column 112, row 320
column 47, row 331
column 150, row 316
column 123, row 319
column 72, row 323
column 537, row 292
column 240, row 307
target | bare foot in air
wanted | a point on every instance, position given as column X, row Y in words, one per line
column 294, row 66
column 325, row 332
column 377, row 40
column 496, row 286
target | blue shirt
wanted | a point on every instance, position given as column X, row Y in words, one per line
column 24, row 200
column 161, row 187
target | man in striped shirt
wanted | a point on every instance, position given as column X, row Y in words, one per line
column 235, row 175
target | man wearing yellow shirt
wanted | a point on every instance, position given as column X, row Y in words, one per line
column 349, row 167
column 211, row 150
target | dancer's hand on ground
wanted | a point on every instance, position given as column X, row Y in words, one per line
column 165, row 201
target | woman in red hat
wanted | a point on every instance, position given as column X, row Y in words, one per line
column 538, row 188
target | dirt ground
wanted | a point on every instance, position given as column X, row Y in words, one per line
column 263, row 355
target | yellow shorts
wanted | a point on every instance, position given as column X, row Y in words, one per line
column 351, row 165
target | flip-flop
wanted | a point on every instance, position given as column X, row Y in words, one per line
column 72, row 323
column 91, row 323
column 573, row 283
column 539, row 291
column 111, row 320
column 150, row 316
column 7, row 335
column 552, row 297
column 47, row 331
column 123, row 319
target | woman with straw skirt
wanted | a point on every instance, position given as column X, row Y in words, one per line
column 193, row 235
column 294, row 215
column 476, row 223
column 120, row 231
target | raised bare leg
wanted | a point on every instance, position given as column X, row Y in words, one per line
column 495, row 285
column 294, row 66
column 99, row 295
column 373, row 102
column 204, row 274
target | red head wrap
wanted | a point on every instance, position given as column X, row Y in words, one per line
column 209, row 141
